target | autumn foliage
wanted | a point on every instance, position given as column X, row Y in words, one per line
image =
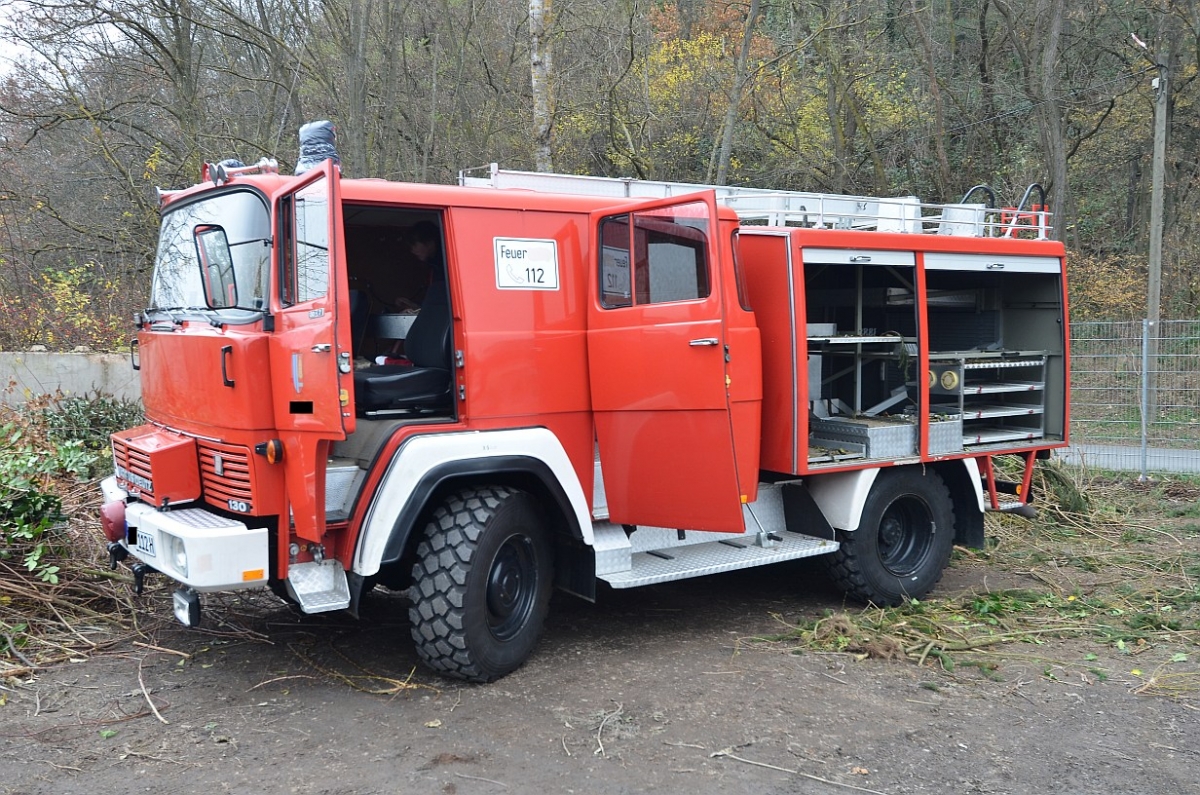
column 107, row 100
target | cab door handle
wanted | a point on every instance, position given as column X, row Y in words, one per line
column 704, row 341
column 322, row 347
column 226, row 355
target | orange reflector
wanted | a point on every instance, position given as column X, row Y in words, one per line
column 272, row 450
column 745, row 499
column 252, row 575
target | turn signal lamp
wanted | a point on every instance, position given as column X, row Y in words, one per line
column 272, row 450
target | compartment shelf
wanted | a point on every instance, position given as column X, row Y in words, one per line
column 997, row 387
column 991, row 434
column 994, row 405
column 989, row 364
column 990, row 358
column 980, row 411
column 853, row 340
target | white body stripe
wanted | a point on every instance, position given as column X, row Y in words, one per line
column 422, row 453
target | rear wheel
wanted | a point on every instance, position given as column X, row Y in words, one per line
column 481, row 584
column 903, row 540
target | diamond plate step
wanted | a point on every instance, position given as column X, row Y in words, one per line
column 319, row 587
column 680, row 563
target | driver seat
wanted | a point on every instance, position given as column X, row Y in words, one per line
column 425, row 384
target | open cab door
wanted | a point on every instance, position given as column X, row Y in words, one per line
column 657, row 364
column 311, row 365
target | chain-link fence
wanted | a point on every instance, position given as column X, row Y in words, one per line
column 1135, row 395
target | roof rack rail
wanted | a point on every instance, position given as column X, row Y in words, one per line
column 762, row 206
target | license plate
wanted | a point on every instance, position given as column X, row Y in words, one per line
column 145, row 544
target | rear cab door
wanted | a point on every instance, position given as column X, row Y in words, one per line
column 311, row 364
column 657, row 366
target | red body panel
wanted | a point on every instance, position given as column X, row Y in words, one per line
column 312, row 398
column 660, row 393
column 776, row 301
column 183, row 384
column 157, row 466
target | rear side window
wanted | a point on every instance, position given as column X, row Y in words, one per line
column 655, row 257
column 743, row 293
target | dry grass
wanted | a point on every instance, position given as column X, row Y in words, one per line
column 44, row 624
column 1118, row 569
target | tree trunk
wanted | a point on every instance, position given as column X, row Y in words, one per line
column 541, row 68
column 939, row 113
column 741, row 80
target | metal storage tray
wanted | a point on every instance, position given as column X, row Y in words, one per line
column 880, row 438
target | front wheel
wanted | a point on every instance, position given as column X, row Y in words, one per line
column 903, row 540
column 481, row 584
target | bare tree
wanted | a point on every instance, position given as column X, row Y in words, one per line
column 742, row 75
column 541, row 69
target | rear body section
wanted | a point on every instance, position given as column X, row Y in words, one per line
column 892, row 347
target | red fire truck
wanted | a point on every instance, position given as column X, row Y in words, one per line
column 607, row 380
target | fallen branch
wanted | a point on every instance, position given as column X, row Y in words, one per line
column 599, row 742
column 727, row 753
column 481, row 778
column 150, row 701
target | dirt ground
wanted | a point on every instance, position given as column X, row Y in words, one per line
column 652, row 690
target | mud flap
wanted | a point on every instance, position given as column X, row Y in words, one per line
column 801, row 514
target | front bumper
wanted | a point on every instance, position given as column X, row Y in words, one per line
column 198, row 548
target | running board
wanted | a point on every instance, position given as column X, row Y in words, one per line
column 711, row 557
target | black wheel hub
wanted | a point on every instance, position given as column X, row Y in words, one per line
column 905, row 535
column 511, row 587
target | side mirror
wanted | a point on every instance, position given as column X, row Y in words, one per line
column 216, row 265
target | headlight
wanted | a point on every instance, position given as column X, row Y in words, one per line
column 176, row 552
column 187, row 607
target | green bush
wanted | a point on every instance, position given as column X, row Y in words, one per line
column 29, row 508
column 53, row 439
column 80, row 426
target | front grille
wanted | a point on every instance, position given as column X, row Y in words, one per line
column 156, row 465
column 135, row 462
column 225, row 475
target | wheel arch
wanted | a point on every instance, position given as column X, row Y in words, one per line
column 842, row 495
column 416, row 482
column 523, row 473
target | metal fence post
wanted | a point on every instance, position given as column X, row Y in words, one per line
column 1145, row 391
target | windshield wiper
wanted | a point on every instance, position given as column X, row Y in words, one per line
column 170, row 311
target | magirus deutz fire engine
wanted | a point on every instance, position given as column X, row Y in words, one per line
column 478, row 393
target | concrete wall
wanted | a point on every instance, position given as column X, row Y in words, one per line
column 37, row 373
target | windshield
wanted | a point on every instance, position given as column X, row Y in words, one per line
column 188, row 256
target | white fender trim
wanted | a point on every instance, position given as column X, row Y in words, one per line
column 420, row 454
column 842, row 495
